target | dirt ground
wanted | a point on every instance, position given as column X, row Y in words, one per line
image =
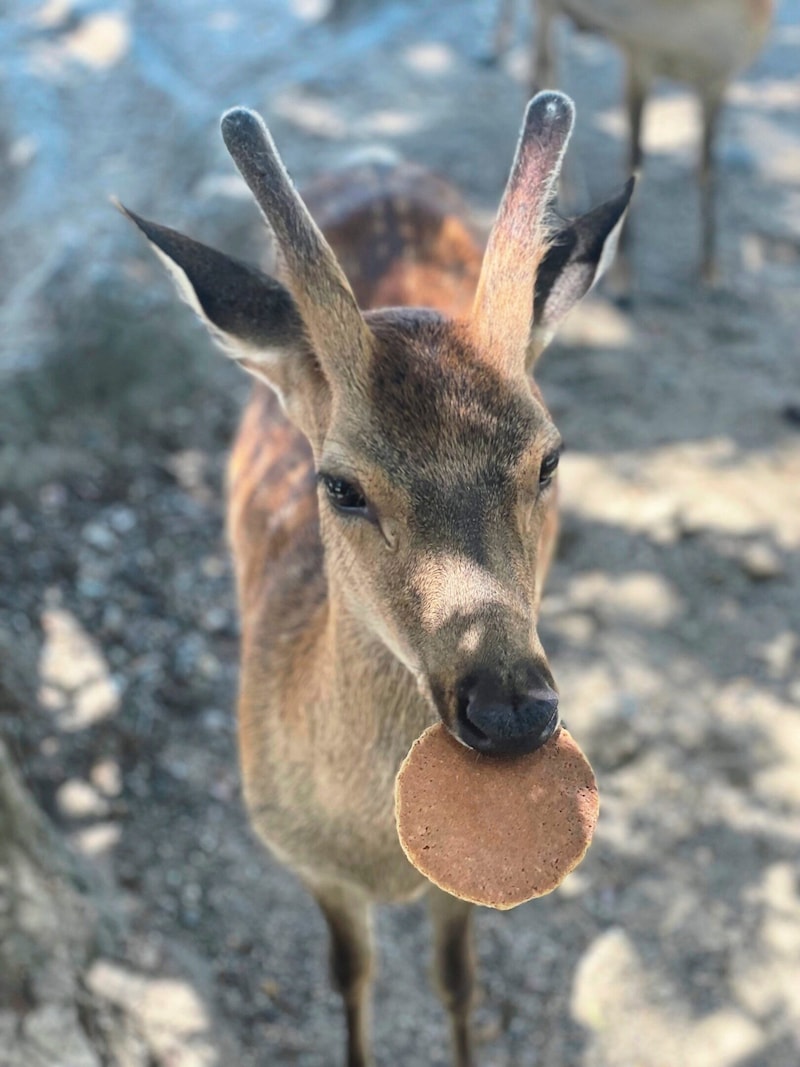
column 671, row 619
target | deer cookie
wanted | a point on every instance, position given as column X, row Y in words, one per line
column 495, row 830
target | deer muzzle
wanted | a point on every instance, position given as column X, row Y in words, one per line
column 498, row 719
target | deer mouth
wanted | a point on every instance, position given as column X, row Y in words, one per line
column 501, row 731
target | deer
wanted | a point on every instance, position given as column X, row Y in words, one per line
column 701, row 43
column 392, row 505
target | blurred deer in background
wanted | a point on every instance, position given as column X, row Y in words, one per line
column 392, row 506
column 703, row 43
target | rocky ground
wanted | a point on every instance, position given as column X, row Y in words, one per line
column 673, row 611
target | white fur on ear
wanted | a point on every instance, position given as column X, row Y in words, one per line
column 609, row 250
column 580, row 254
column 182, row 283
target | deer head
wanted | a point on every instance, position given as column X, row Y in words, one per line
column 436, row 456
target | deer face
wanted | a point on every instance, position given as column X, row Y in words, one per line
column 435, row 454
column 434, row 497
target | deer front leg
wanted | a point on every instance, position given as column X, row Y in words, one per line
column 349, row 923
column 454, row 966
column 711, row 104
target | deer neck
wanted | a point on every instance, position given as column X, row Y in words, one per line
column 369, row 687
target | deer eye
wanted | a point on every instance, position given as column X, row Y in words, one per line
column 548, row 468
column 344, row 496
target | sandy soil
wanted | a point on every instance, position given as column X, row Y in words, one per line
column 672, row 615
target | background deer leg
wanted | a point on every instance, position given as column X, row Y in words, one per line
column 349, row 922
column 503, row 28
column 711, row 105
column 637, row 86
column 543, row 73
column 454, row 966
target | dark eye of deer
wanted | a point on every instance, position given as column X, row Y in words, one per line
column 344, row 496
column 548, row 468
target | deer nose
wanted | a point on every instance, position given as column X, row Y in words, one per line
column 496, row 723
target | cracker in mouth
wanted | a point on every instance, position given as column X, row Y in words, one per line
column 495, row 831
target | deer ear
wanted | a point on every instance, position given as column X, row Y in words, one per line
column 578, row 256
column 248, row 313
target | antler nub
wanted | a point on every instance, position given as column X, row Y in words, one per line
column 503, row 310
column 323, row 295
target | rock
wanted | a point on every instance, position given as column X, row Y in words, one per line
column 53, row 497
column 780, row 654
column 215, row 620
column 122, row 519
column 76, row 683
column 53, row 1036
column 190, row 652
column 188, row 468
column 761, row 562
column 99, row 536
column 107, row 777
column 98, row 841
column 76, row 799
column 173, row 1017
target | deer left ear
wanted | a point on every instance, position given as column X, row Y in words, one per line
column 580, row 253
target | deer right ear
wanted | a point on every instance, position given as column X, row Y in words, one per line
column 579, row 254
column 250, row 315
